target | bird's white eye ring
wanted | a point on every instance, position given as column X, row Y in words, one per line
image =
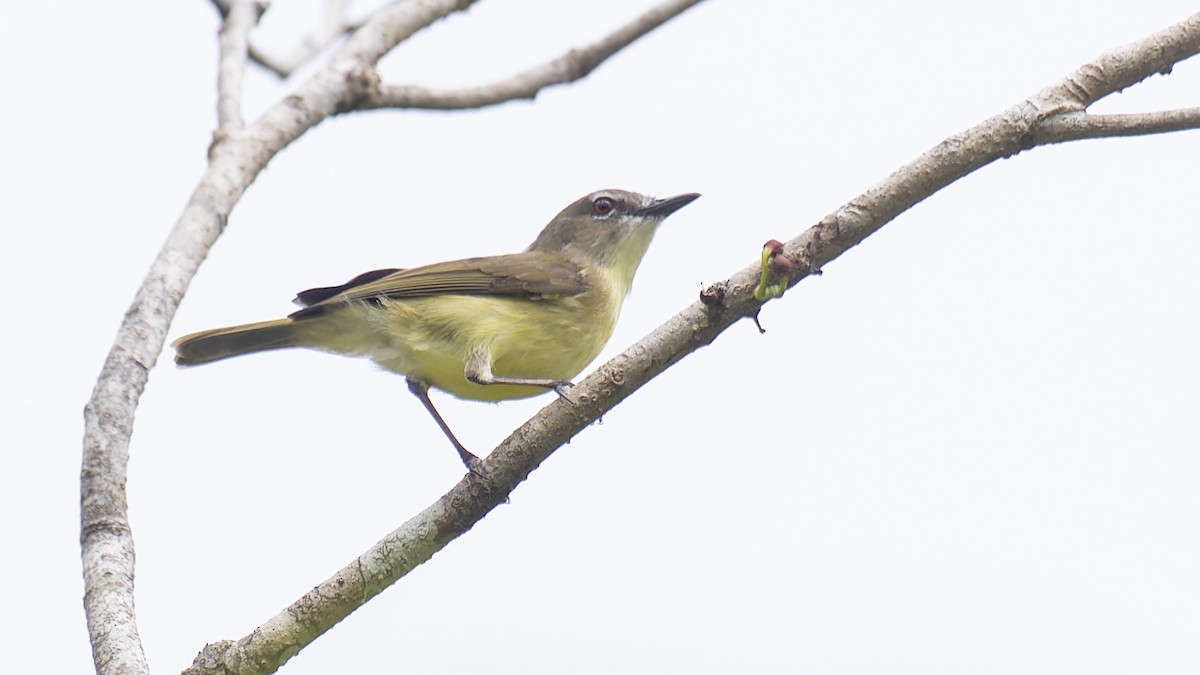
column 602, row 207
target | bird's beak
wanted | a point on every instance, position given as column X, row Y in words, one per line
column 665, row 207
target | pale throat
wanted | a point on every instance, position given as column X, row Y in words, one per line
column 625, row 258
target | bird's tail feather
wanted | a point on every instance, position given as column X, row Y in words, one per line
column 222, row 343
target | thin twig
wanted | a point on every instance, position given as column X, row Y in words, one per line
column 234, row 43
column 1080, row 126
column 573, row 65
column 332, row 26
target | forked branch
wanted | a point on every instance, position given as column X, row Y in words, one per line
column 1031, row 122
column 239, row 152
column 574, row 65
column 331, row 27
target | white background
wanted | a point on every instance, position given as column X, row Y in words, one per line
column 970, row 446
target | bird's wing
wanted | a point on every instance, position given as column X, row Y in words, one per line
column 522, row 275
column 312, row 296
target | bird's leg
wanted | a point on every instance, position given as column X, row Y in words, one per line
column 421, row 391
column 479, row 371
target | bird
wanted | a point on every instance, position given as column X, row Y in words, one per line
column 486, row 328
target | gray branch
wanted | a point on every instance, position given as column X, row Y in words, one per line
column 720, row 306
column 349, row 82
column 234, row 40
column 235, row 160
column 332, row 26
column 1080, row 126
column 574, row 65
column 236, row 156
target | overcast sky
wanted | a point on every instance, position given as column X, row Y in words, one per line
column 970, row 446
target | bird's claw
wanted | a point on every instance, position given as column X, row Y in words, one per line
column 475, row 466
column 561, row 388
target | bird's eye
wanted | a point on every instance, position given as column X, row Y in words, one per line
column 602, row 207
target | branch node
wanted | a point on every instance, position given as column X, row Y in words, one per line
column 578, row 65
column 713, row 297
column 362, row 82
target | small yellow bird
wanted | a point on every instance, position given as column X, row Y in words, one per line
column 487, row 329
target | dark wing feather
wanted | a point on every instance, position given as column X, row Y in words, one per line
column 529, row 275
column 314, row 295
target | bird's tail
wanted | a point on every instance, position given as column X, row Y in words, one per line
column 222, row 343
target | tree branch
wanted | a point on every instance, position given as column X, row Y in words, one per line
column 1080, row 126
column 698, row 325
column 234, row 44
column 105, row 536
column 573, row 65
column 235, row 160
column 331, row 27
